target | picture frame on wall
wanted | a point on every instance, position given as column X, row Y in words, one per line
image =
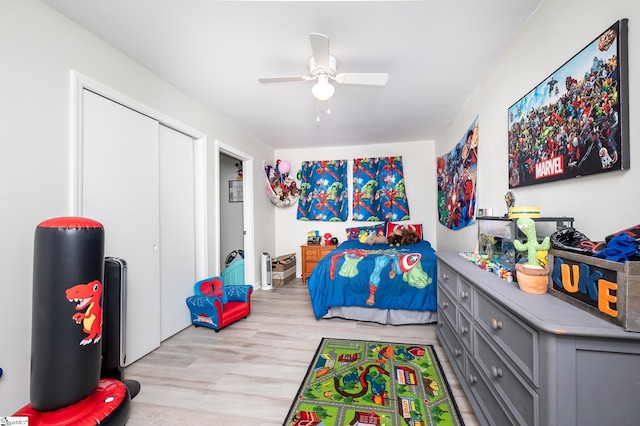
column 456, row 176
column 235, row 191
column 576, row 121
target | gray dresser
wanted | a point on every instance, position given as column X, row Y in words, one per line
column 533, row 359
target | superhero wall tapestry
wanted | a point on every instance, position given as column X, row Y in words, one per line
column 457, row 176
column 575, row 122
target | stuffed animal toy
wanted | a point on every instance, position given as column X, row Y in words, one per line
column 376, row 239
column 403, row 237
column 395, row 239
column 409, row 237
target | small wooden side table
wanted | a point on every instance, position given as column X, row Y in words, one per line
column 311, row 255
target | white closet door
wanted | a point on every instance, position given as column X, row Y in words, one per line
column 120, row 189
column 177, row 230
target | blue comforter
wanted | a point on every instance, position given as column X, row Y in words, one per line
column 377, row 276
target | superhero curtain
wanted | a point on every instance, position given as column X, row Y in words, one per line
column 456, row 175
column 378, row 190
column 323, row 191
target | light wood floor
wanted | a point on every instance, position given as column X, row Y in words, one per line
column 249, row 372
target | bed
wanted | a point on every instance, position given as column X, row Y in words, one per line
column 379, row 283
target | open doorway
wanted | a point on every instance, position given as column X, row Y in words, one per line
column 235, row 207
column 231, row 204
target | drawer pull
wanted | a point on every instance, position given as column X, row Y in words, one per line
column 445, row 304
column 457, row 352
column 440, row 323
column 464, row 330
column 445, row 277
column 473, row 379
column 496, row 324
column 496, row 372
column 464, row 294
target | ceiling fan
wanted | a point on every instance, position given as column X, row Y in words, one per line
column 322, row 69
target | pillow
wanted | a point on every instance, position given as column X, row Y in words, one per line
column 409, row 227
column 361, row 233
column 213, row 286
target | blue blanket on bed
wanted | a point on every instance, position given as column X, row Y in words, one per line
column 377, row 276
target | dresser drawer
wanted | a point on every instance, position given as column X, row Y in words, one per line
column 465, row 295
column 519, row 341
column 308, row 265
column 465, row 330
column 446, row 306
column 447, row 278
column 447, row 332
column 484, row 396
column 311, row 254
column 521, row 399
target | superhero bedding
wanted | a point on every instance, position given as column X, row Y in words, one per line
column 379, row 283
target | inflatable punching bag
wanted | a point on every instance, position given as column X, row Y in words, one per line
column 66, row 344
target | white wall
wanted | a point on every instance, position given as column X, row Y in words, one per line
column 38, row 49
column 600, row 204
column 419, row 168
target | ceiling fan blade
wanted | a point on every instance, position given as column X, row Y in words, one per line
column 320, row 49
column 370, row 79
column 282, row 79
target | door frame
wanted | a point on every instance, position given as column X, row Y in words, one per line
column 79, row 83
column 247, row 207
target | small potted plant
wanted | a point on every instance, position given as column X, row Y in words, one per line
column 532, row 277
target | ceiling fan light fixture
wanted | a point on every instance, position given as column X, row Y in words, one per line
column 322, row 90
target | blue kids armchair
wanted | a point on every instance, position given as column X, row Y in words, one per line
column 216, row 305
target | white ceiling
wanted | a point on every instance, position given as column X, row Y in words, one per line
column 435, row 53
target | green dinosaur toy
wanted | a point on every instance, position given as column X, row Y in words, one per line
column 528, row 228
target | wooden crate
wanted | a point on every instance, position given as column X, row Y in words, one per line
column 609, row 290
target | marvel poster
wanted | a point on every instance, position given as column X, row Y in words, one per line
column 575, row 122
column 457, row 177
